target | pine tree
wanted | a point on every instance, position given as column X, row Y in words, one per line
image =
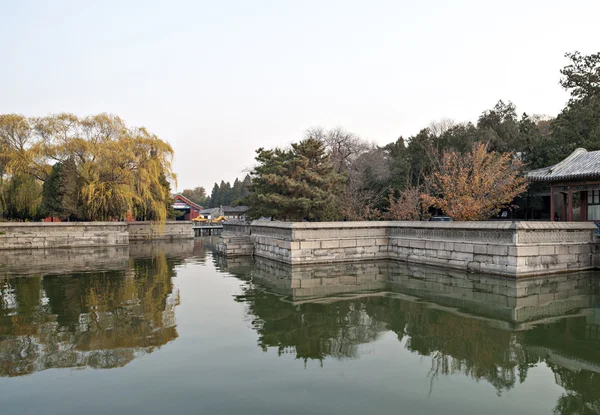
column 236, row 192
column 215, row 196
column 61, row 191
column 246, row 183
column 296, row 184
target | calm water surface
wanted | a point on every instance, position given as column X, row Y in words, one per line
column 172, row 328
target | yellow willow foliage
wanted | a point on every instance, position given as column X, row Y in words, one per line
column 120, row 169
column 21, row 150
column 475, row 185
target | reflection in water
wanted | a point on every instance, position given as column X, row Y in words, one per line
column 98, row 319
column 104, row 310
column 488, row 328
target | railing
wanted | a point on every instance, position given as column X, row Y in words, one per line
column 207, row 224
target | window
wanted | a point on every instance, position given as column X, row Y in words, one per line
column 593, row 208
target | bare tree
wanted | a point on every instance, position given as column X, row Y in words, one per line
column 344, row 147
column 437, row 128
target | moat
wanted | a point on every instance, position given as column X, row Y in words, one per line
column 174, row 328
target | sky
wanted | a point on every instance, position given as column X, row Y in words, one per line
column 219, row 79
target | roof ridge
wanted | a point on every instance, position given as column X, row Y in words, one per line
column 576, row 153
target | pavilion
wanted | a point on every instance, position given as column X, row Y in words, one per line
column 575, row 181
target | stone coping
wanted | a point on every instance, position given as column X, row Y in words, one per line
column 497, row 225
column 58, row 224
column 169, row 222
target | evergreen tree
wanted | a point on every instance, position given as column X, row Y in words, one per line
column 61, row 191
column 296, row 184
column 236, row 191
column 246, row 183
column 225, row 193
column 215, row 196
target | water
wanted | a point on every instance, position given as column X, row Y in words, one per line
column 170, row 328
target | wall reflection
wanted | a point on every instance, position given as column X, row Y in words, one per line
column 489, row 328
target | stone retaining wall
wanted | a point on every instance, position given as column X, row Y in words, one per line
column 503, row 248
column 51, row 235
column 41, row 235
column 144, row 231
column 235, row 241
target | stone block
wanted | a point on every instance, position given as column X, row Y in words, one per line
column 480, row 249
column 549, row 259
column 311, row 283
column 497, row 250
column 547, row 249
column 443, row 254
column 462, row 256
column 371, row 249
column 579, row 249
column 310, row 244
column 484, row 258
column 348, row 279
column 501, row 260
column 567, row 259
column 330, row 281
column 365, row 242
column 528, row 250
column 330, row 244
column 417, row 244
column 434, row 245
column 460, row 247
column 347, row 243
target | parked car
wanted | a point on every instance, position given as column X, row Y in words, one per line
column 440, row 219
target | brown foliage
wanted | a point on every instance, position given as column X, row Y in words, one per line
column 475, row 185
column 358, row 205
column 407, row 206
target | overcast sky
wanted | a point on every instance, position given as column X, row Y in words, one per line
column 218, row 79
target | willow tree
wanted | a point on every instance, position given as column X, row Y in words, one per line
column 119, row 170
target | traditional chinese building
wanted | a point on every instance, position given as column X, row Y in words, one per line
column 574, row 186
column 183, row 204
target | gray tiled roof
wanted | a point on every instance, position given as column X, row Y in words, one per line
column 235, row 209
column 581, row 164
column 210, row 211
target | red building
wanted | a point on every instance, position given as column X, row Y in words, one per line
column 185, row 205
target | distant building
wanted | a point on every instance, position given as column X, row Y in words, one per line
column 211, row 213
column 182, row 204
column 234, row 212
column 228, row 212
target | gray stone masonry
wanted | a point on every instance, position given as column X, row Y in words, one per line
column 51, row 235
column 235, row 240
column 143, row 231
column 509, row 248
column 42, row 235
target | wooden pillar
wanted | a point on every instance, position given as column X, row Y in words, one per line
column 583, row 206
column 552, row 212
column 570, row 213
column 563, row 213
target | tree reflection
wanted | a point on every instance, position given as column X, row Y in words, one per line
column 456, row 342
column 97, row 319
